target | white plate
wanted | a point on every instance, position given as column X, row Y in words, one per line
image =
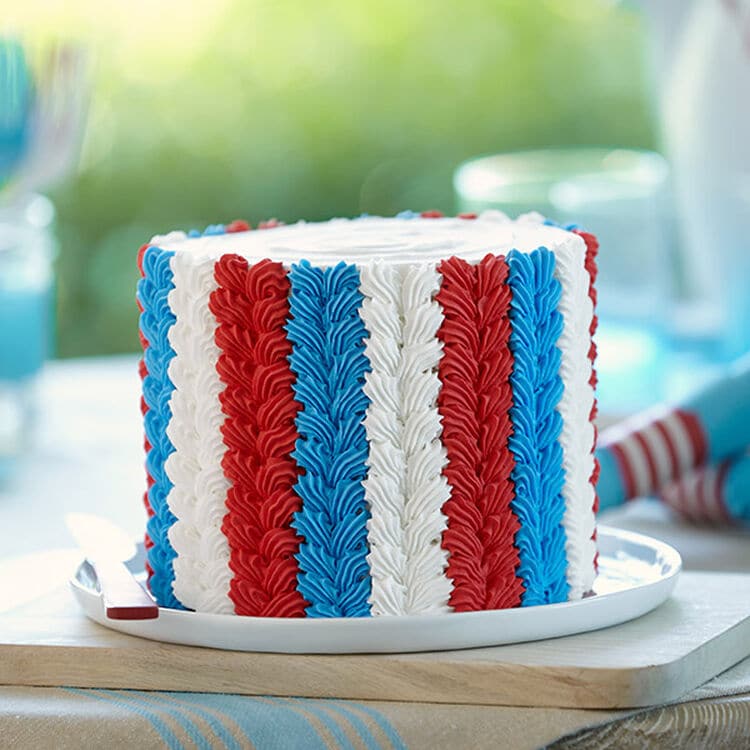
column 636, row 574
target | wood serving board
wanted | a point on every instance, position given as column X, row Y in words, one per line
column 701, row 631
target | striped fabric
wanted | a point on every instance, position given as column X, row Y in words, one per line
column 346, row 442
column 655, row 450
column 699, row 496
column 236, row 722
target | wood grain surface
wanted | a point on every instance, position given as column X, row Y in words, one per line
column 700, row 632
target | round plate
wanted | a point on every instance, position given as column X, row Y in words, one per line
column 636, row 574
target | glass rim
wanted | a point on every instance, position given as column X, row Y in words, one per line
column 495, row 177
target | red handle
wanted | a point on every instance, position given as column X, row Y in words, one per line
column 124, row 598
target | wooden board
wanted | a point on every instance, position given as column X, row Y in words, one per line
column 703, row 630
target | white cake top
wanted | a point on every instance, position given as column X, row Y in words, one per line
column 370, row 238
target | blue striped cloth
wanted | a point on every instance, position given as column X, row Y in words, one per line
column 207, row 720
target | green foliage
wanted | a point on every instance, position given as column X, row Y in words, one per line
column 308, row 110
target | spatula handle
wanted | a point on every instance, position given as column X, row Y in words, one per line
column 124, row 598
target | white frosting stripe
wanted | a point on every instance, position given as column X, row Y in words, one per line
column 575, row 405
column 405, row 487
column 198, row 495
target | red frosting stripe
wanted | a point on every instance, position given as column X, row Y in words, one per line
column 251, row 307
column 143, row 371
column 592, row 247
column 474, row 402
column 238, row 225
column 270, row 224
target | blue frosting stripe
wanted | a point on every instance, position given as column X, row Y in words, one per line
column 538, row 475
column 156, row 320
column 328, row 360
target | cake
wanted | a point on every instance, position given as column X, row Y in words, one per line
column 369, row 417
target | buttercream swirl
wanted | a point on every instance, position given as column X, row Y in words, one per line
column 199, row 488
column 328, row 359
column 538, row 474
column 575, row 406
column 592, row 247
column 142, row 372
column 155, row 322
column 405, row 488
column 251, row 306
column 474, row 402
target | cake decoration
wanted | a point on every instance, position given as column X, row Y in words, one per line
column 475, row 400
column 199, row 486
column 404, row 431
column 155, row 321
column 238, row 225
column 142, row 372
column 405, row 488
column 270, row 224
column 575, row 407
column 329, row 366
column 251, row 307
column 592, row 247
column 181, row 464
column 538, row 474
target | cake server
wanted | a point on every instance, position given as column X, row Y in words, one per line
column 106, row 546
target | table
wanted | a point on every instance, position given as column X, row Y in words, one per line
column 87, row 455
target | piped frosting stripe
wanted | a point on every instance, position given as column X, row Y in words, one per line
column 251, row 306
column 405, row 487
column 538, row 476
column 574, row 407
column 592, row 247
column 199, row 488
column 155, row 322
column 143, row 372
column 328, row 360
column 474, row 404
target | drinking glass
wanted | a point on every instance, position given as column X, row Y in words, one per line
column 27, row 250
column 621, row 196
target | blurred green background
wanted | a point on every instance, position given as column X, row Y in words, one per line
column 294, row 109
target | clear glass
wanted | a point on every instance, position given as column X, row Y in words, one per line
column 622, row 196
column 27, row 251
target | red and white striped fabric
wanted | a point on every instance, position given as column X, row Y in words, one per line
column 699, row 496
column 655, row 448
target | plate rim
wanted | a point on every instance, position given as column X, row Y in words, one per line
column 388, row 625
